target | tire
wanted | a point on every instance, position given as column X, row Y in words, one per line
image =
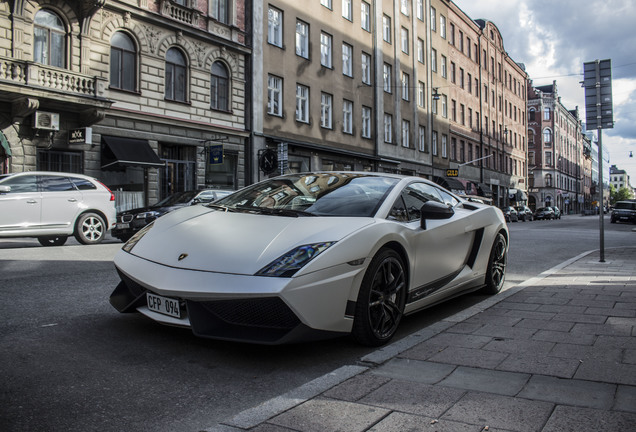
column 381, row 300
column 52, row 240
column 90, row 229
column 496, row 272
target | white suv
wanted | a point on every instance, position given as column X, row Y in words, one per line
column 54, row 205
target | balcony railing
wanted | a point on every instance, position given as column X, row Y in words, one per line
column 185, row 14
column 27, row 73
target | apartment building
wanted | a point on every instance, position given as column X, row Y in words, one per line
column 149, row 96
column 558, row 152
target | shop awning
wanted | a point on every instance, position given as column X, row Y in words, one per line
column 118, row 152
column 4, row 144
column 484, row 190
column 451, row 183
column 517, row 195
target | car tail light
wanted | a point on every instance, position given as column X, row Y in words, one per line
column 112, row 195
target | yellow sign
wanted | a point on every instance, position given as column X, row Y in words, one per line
column 452, row 173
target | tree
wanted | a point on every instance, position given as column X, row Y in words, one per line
column 619, row 195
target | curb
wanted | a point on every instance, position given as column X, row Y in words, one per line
column 252, row 417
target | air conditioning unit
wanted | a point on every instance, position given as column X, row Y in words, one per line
column 46, row 121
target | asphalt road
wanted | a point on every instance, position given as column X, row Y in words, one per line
column 70, row 362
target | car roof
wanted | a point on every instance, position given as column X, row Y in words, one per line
column 16, row 174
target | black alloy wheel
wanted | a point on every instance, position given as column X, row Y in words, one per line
column 496, row 272
column 381, row 300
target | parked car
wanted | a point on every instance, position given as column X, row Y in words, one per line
column 524, row 213
column 510, row 214
column 624, row 211
column 131, row 221
column 312, row 255
column 557, row 212
column 545, row 213
column 51, row 206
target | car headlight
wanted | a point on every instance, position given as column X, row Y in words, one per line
column 130, row 244
column 149, row 214
column 288, row 264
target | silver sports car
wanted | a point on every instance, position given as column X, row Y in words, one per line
column 312, row 255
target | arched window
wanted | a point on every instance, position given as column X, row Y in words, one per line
column 547, row 137
column 123, row 62
column 219, row 87
column 546, row 114
column 176, row 75
column 49, row 39
column 532, row 114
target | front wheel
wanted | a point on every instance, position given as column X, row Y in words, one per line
column 52, row 240
column 496, row 272
column 90, row 229
column 381, row 300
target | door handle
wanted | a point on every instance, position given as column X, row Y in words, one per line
column 72, row 200
column 31, row 202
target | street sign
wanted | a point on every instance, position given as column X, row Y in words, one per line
column 452, row 173
column 597, row 80
column 216, row 155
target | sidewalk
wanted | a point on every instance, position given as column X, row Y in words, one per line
column 556, row 353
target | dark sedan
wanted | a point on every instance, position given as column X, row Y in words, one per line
column 524, row 213
column 510, row 214
column 131, row 221
column 544, row 213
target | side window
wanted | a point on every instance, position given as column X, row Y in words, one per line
column 55, row 184
column 21, row 184
column 398, row 211
column 448, row 198
column 83, row 184
column 427, row 191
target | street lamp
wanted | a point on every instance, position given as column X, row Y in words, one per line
column 435, row 93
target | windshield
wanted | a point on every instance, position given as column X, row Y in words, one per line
column 177, row 198
column 625, row 206
column 322, row 194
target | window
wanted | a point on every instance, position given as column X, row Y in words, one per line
column 546, row 114
column 275, row 27
column 326, row 110
column 388, row 128
column 444, row 145
column 452, row 72
column 366, row 68
column 386, row 28
column 421, row 137
column 220, row 11
column 302, row 39
column 347, row 53
column 461, row 78
column 548, row 158
column 405, row 86
column 462, row 114
column 420, row 10
column 451, row 29
column 176, row 76
column 326, row 3
column 366, row 122
column 274, row 95
column 454, row 110
column 442, row 26
column 219, row 87
column 302, row 103
column 123, row 62
column 433, row 20
column 365, row 18
column 443, row 66
column 461, row 41
column 49, row 39
column 405, row 40
column 421, row 95
column 548, row 180
column 404, row 7
column 347, row 11
column 433, row 59
column 387, row 78
column 547, row 137
column 406, row 133
column 444, row 106
column 325, row 50
column 420, row 50
column 434, row 143
column 347, row 117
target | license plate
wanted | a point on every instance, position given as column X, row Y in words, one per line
column 163, row 305
column 122, row 225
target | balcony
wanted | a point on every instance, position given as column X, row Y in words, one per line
column 177, row 12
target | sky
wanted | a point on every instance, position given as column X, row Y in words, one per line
column 554, row 38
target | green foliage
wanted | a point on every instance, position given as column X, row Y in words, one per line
column 620, row 195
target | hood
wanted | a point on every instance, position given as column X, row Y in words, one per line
column 160, row 209
column 239, row 243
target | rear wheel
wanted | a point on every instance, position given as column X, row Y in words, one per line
column 496, row 273
column 90, row 228
column 52, row 240
column 381, row 300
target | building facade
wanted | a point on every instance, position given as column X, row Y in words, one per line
column 149, row 96
column 619, row 178
column 558, row 153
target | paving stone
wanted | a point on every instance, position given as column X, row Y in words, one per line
column 626, row 398
column 327, row 415
column 268, row 427
column 617, row 312
column 469, row 357
column 581, row 317
column 518, row 306
column 423, row 351
column 540, row 324
column 414, row 370
column 357, row 387
column 603, row 342
column 602, row 329
column 533, row 364
column 584, row 353
column 459, row 340
column 520, row 346
column 519, row 315
column 573, row 419
column 564, row 337
column 629, row 356
column 604, row 371
column 495, row 330
column 485, row 380
column 414, row 398
column 585, row 394
column 496, row 411
column 400, row 422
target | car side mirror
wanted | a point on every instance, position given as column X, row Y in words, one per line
column 5, row 189
column 435, row 210
column 195, row 201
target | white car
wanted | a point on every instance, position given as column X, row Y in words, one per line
column 53, row 206
column 312, row 255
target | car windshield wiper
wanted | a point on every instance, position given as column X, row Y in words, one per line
column 275, row 211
